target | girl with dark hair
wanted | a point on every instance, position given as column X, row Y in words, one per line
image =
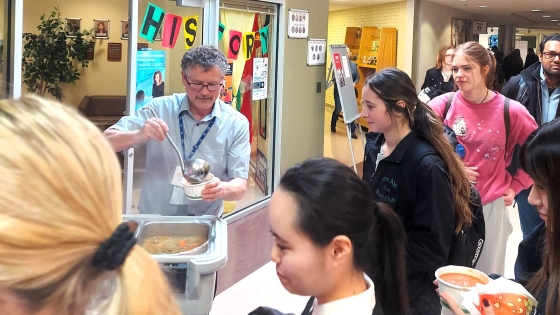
column 334, row 243
column 478, row 116
column 537, row 266
column 410, row 165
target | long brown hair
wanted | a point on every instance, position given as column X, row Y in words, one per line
column 393, row 85
column 474, row 52
column 541, row 158
column 440, row 60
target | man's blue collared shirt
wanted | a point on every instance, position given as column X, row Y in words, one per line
column 549, row 101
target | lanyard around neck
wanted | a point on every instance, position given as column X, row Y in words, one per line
column 195, row 147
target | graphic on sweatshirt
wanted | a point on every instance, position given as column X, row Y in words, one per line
column 460, row 127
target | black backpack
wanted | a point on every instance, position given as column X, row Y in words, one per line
column 468, row 244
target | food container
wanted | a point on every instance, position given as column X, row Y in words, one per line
column 194, row 191
column 469, row 278
column 192, row 274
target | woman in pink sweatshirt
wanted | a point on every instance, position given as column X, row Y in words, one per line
column 477, row 117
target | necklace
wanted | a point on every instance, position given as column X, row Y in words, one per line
column 487, row 91
column 445, row 75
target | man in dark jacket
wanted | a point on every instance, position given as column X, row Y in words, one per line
column 538, row 88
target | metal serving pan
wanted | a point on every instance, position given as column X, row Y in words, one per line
column 176, row 229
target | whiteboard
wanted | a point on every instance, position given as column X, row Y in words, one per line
column 344, row 83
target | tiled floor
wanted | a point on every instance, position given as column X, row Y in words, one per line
column 262, row 288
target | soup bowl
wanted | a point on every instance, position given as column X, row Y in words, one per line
column 455, row 280
column 194, row 191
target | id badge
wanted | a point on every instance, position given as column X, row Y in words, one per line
column 178, row 190
column 177, row 196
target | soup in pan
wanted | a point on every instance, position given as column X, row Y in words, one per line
column 461, row 279
column 171, row 244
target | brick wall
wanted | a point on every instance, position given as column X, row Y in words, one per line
column 382, row 15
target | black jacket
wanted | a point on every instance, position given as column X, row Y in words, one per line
column 530, row 60
column 529, row 261
column 415, row 182
column 526, row 89
column 434, row 79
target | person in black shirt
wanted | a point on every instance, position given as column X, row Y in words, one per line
column 439, row 79
column 513, row 64
column 531, row 58
column 158, row 86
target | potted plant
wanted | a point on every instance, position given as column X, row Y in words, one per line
column 51, row 58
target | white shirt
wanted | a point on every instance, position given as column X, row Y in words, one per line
column 361, row 304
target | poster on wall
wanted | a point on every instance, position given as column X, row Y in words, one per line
column 338, row 70
column 298, row 24
column 316, row 52
column 227, row 89
column 150, row 76
column 101, row 28
column 261, row 172
column 73, row 26
column 260, row 78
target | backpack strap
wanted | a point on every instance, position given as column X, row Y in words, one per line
column 506, row 117
column 448, row 105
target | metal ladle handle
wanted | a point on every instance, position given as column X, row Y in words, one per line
column 169, row 139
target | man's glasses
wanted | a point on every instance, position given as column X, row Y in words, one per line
column 550, row 55
column 212, row 87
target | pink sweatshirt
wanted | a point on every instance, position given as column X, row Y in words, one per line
column 481, row 129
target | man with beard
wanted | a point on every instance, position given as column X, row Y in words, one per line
column 202, row 126
column 538, row 88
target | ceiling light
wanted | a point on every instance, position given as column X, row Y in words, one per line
column 546, row 16
column 535, row 10
column 482, row 6
column 462, row 0
column 553, row 20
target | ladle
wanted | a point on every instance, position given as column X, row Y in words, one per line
column 195, row 170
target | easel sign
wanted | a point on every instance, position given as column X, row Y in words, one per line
column 342, row 77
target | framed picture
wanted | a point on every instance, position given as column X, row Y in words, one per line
column 124, row 29
column 101, row 28
column 461, row 31
column 158, row 35
column 141, row 46
column 114, row 51
column 73, row 26
column 90, row 52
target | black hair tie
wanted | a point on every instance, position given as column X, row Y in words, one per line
column 112, row 253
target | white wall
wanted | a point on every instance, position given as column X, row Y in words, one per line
column 435, row 32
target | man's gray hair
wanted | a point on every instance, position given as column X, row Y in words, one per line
column 205, row 56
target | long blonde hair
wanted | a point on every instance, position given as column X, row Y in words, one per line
column 61, row 198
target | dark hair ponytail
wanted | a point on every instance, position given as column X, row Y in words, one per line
column 388, row 263
column 332, row 200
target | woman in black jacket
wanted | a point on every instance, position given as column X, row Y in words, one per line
column 439, row 79
column 412, row 167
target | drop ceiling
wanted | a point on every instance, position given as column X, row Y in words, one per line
column 497, row 12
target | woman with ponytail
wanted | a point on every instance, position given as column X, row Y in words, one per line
column 63, row 249
column 411, row 166
column 334, row 243
column 490, row 128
